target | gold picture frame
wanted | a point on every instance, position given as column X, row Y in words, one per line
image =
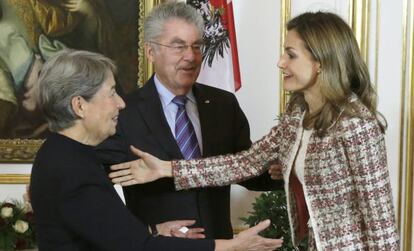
column 23, row 150
column 13, row 179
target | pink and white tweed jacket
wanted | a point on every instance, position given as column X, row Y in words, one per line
column 347, row 187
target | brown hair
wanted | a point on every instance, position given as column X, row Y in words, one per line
column 343, row 71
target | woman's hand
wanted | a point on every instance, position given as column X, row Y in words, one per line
column 144, row 170
column 249, row 240
column 178, row 228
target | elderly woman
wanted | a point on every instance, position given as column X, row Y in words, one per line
column 75, row 204
column 330, row 144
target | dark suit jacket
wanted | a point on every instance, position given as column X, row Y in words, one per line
column 76, row 207
column 143, row 124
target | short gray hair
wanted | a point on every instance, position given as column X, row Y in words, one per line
column 154, row 22
column 65, row 75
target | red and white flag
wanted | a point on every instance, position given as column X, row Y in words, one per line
column 220, row 66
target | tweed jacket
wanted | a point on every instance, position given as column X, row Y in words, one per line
column 346, row 180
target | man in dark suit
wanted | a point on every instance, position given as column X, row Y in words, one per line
column 173, row 43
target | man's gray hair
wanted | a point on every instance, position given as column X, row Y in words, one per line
column 65, row 75
column 154, row 22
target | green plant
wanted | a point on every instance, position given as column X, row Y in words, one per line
column 16, row 226
column 272, row 205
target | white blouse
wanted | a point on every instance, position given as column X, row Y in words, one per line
column 299, row 166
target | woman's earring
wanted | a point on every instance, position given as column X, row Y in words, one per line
column 318, row 71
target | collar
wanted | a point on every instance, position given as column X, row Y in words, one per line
column 166, row 95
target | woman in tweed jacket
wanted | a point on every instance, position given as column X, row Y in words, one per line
column 330, row 138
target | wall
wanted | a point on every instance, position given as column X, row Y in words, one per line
column 258, row 46
column 13, row 191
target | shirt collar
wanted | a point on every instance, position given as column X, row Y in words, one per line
column 166, row 95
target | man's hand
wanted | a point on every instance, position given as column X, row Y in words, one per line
column 276, row 171
column 175, row 229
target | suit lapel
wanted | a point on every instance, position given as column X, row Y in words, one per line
column 206, row 109
column 151, row 109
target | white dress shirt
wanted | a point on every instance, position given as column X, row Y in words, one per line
column 170, row 109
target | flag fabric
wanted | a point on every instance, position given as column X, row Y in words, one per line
column 220, row 67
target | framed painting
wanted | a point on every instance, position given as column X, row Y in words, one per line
column 33, row 30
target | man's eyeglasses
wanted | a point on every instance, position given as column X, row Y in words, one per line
column 181, row 48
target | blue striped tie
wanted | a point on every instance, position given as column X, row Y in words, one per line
column 184, row 131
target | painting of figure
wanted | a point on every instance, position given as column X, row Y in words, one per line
column 33, row 30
